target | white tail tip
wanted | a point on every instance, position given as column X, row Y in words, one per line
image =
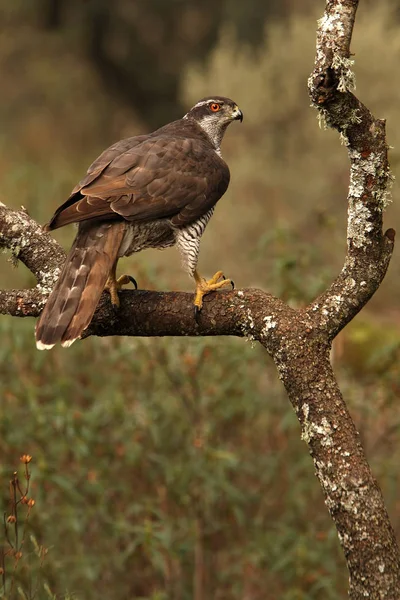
column 41, row 346
column 68, row 343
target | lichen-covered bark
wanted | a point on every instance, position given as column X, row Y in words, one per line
column 351, row 493
column 38, row 251
column 368, row 249
column 297, row 340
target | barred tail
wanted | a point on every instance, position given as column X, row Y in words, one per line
column 72, row 302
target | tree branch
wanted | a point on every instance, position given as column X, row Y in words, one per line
column 368, row 250
column 38, row 251
column 352, row 495
column 298, row 340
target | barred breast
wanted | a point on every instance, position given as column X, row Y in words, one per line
column 139, row 236
column 188, row 241
column 161, row 234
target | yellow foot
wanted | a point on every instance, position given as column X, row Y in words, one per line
column 113, row 286
column 204, row 287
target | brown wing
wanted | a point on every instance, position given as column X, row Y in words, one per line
column 148, row 178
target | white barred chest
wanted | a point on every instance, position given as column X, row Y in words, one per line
column 161, row 234
column 139, row 236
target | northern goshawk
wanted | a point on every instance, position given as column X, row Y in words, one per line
column 148, row 191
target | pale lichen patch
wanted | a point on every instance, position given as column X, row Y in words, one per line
column 360, row 218
column 323, row 430
column 47, row 280
column 359, row 224
column 386, row 193
column 343, row 67
column 270, row 323
column 365, row 167
column 248, row 326
column 353, row 118
column 250, row 319
column 335, row 303
column 344, row 140
column 322, row 119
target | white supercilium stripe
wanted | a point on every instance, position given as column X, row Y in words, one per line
column 203, row 103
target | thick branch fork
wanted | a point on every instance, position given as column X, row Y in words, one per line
column 297, row 340
column 364, row 530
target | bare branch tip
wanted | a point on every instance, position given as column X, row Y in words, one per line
column 390, row 234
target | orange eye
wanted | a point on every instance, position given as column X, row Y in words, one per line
column 215, row 107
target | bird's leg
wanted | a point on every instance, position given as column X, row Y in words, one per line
column 114, row 285
column 204, row 287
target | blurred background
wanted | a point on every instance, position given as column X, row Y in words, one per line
column 173, row 468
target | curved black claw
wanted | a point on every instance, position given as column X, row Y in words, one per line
column 197, row 312
column 133, row 281
column 232, row 282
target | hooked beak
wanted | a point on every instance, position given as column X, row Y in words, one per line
column 237, row 114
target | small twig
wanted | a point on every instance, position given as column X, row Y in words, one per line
column 14, row 509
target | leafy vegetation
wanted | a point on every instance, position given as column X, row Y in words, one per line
column 174, row 469
column 164, row 470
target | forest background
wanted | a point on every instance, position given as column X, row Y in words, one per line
column 173, row 468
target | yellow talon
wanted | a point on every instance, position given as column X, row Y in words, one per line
column 113, row 286
column 204, row 287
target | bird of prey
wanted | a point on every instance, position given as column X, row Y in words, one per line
column 147, row 191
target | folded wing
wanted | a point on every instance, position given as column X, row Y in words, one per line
column 148, row 178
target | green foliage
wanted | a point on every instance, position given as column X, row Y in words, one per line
column 161, row 467
column 173, row 469
column 165, row 467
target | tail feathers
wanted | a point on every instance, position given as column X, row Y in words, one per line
column 89, row 297
column 71, row 304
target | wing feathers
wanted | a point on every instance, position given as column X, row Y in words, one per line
column 174, row 173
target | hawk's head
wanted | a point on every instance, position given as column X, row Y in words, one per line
column 214, row 114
